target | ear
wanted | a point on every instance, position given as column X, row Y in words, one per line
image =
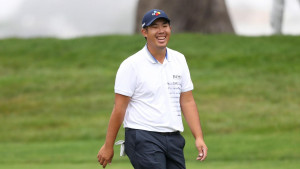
column 144, row 32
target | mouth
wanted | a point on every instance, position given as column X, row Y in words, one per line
column 161, row 39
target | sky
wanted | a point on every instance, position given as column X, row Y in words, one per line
column 73, row 18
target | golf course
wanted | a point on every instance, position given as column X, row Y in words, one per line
column 56, row 97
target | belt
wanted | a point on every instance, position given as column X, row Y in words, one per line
column 161, row 133
column 168, row 133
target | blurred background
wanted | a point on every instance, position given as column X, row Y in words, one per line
column 58, row 61
column 73, row 18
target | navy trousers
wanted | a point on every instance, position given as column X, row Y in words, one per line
column 154, row 150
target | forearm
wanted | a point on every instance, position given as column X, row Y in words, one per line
column 191, row 115
column 190, row 112
column 116, row 119
column 114, row 125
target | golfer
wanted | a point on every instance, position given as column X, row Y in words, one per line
column 152, row 88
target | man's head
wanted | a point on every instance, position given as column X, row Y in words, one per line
column 152, row 15
column 156, row 28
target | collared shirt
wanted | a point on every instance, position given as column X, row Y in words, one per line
column 166, row 56
column 154, row 89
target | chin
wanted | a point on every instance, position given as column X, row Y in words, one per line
column 162, row 45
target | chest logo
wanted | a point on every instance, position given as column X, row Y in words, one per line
column 176, row 77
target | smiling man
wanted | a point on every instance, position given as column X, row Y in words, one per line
column 152, row 88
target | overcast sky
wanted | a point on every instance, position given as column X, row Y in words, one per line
column 72, row 18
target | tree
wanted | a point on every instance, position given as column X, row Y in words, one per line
column 206, row 16
column 277, row 16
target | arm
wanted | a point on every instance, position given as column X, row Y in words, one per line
column 191, row 115
column 106, row 152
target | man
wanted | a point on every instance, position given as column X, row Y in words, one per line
column 152, row 87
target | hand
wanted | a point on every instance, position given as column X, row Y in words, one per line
column 105, row 155
column 202, row 149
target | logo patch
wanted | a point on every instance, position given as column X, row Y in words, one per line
column 178, row 77
column 156, row 13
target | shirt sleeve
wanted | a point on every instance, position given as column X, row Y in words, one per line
column 187, row 83
column 125, row 82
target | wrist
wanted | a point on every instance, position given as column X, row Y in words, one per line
column 199, row 137
column 109, row 145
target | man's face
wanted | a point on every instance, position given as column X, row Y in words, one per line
column 158, row 33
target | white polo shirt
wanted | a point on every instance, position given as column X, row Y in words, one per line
column 154, row 89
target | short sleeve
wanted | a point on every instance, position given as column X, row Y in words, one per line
column 125, row 82
column 187, row 83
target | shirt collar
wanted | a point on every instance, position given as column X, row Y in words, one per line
column 152, row 59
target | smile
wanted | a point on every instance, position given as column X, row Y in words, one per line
column 161, row 39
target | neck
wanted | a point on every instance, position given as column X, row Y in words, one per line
column 158, row 53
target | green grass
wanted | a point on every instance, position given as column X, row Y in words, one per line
column 56, row 97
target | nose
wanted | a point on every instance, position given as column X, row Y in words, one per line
column 161, row 29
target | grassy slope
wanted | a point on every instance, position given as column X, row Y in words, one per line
column 56, row 97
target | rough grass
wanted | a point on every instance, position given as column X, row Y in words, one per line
column 56, row 97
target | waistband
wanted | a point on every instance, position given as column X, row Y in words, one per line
column 161, row 133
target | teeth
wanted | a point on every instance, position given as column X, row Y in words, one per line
column 161, row 38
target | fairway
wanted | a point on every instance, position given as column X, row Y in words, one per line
column 56, row 97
